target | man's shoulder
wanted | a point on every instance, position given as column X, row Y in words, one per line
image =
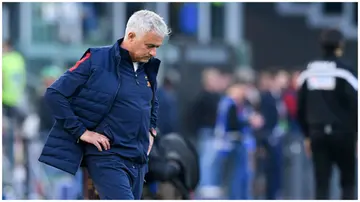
column 343, row 64
column 99, row 50
column 336, row 62
column 98, row 54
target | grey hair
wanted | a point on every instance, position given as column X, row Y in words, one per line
column 144, row 21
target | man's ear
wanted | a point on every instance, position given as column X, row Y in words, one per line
column 131, row 36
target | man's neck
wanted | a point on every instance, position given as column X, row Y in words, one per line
column 125, row 45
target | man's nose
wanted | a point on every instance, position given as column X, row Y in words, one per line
column 153, row 52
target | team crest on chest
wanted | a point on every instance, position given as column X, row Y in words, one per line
column 147, row 81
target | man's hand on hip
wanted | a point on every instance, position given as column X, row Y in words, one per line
column 96, row 139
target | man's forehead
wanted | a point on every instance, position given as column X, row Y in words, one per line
column 153, row 38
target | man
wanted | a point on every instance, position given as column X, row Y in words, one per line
column 13, row 93
column 226, row 133
column 202, row 117
column 14, row 80
column 104, row 108
column 289, row 99
column 245, row 160
column 269, row 138
column 327, row 114
column 229, row 139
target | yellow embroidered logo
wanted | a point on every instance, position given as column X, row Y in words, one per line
column 148, row 83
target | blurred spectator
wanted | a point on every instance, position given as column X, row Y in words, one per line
column 205, row 105
column 244, row 162
column 268, row 103
column 168, row 117
column 290, row 101
column 13, row 93
column 14, row 79
column 268, row 138
column 226, row 139
column 225, row 79
column 248, row 75
column 232, row 138
column 204, row 113
column 327, row 114
column 282, row 80
column 245, row 74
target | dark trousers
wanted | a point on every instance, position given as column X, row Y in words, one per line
column 116, row 178
column 274, row 172
column 327, row 150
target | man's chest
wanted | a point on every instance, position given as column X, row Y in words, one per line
column 124, row 83
column 135, row 86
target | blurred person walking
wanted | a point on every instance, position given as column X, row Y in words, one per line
column 290, row 101
column 229, row 139
column 299, row 165
column 105, row 108
column 14, row 80
column 269, row 136
column 13, row 93
column 244, row 166
column 327, row 113
column 203, row 118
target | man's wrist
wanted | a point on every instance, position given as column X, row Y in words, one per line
column 80, row 133
column 153, row 132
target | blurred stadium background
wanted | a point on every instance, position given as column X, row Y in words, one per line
column 42, row 40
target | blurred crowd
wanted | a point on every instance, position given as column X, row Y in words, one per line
column 268, row 103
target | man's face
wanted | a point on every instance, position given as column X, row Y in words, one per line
column 282, row 80
column 266, row 81
column 238, row 91
column 143, row 47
